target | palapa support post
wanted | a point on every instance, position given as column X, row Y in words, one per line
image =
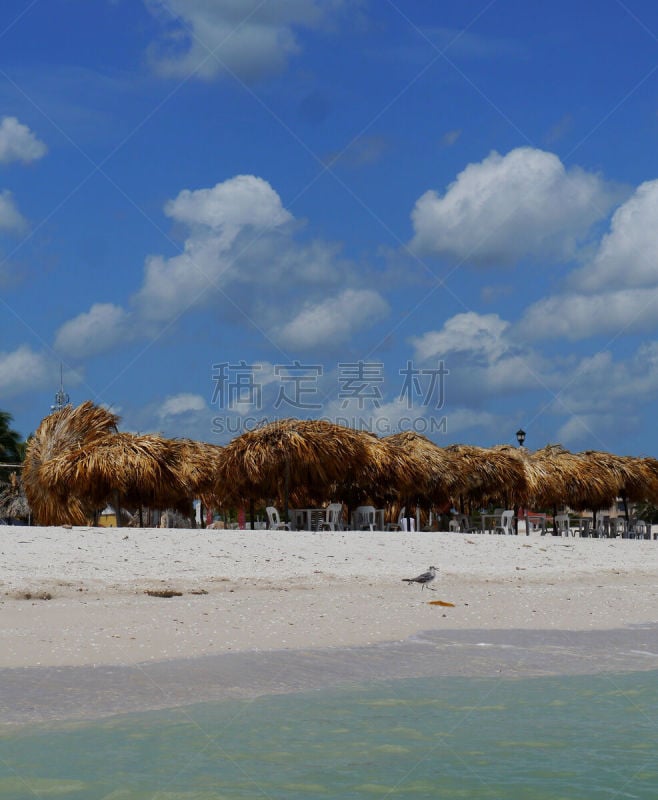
column 117, row 508
column 252, row 512
column 286, row 488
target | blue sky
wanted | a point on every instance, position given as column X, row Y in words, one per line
column 429, row 216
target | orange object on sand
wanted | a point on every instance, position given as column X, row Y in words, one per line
column 441, row 603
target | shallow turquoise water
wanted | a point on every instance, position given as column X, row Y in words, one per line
column 567, row 738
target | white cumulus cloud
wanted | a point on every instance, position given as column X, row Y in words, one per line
column 334, row 320
column 627, row 254
column 481, row 334
column 483, row 358
column 101, row 328
column 183, row 403
column 23, row 370
column 579, row 316
column 216, row 218
column 18, row 143
column 241, row 256
column 504, row 208
column 228, row 206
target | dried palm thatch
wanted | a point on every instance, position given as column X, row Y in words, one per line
column 197, row 465
column 419, row 469
column 650, row 466
column 632, row 478
column 13, row 502
column 64, row 431
column 77, row 462
column 488, row 475
column 141, row 470
column 314, row 458
column 562, row 478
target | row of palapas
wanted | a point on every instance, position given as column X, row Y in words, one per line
column 77, row 462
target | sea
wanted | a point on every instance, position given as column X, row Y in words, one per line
column 568, row 737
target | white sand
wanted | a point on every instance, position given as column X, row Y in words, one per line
column 264, row 590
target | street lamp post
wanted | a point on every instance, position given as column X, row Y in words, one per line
column 520, row 438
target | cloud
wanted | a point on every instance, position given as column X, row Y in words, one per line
column 228, row 206
column 505, row 208
column 584, row 429
column 101, row 328
column 11, row 218
column 251, row 39
column 241, row 256
column 244, row 206
column 334, row 320
column 480, row 334
column 617, row 290
column 18, row 143
column 463, row 419
column 23, row 370
column 626, row 256
column 634, row 381
column 579, row 316
column 184, row 403
column 483, row 359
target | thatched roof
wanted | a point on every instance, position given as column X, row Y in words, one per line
column 77, row 462
column 63, row 432
column 631, row 477
column 419, row 469
column 650, row 466
column 314, row 458
column 486, row 474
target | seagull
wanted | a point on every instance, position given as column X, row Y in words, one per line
column 424, row 578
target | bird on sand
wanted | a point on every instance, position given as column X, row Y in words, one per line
column 424, row 578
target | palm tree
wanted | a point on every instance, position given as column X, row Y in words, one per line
column 12, row 450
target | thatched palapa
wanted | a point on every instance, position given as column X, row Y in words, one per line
column 485, row 475
column 77, row 462
column 311, row 457
column 64, row 431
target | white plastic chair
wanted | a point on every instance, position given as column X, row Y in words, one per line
column 562, row 527
column 406, row 523
column 274, row 521
column 364, row 518
column 506, row 523
column 333, row 519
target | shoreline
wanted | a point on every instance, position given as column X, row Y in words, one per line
column 264, row 611
column 79, row 694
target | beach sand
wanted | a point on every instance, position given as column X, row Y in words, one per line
column 75, row 599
